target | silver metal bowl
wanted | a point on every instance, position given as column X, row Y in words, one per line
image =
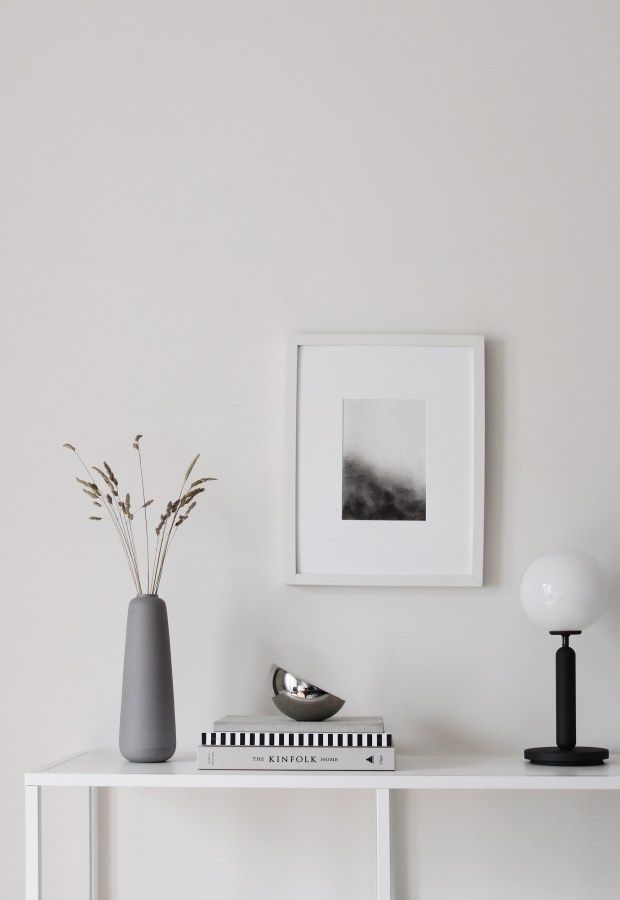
column 298, row 699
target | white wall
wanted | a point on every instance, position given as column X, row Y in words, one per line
column 186, row 183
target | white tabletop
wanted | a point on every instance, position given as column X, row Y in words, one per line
column 109, row 769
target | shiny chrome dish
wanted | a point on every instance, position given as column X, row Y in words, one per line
column 299, row 699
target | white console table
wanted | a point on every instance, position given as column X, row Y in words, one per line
column 92, row 771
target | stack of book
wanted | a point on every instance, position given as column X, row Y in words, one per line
column 275, row 742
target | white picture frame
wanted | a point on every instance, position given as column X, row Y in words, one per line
column 446, row 549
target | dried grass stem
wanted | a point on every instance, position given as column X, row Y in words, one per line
column 103, row 492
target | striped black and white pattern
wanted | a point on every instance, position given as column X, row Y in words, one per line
column 286, row 739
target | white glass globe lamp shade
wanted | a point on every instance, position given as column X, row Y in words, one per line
column 564, row 591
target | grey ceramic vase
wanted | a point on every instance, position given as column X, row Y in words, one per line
column 147, row 730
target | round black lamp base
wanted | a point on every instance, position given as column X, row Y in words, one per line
column 580, row 756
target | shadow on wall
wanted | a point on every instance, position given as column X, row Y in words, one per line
column 370, row 494
column 495, row 524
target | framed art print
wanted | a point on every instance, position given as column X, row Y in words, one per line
column 386, row 460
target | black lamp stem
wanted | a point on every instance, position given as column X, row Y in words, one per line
column 566, row 753
column 565, row 695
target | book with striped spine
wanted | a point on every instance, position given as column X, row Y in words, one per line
column 295, row 739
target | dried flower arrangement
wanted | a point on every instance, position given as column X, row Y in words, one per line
column 104, row 492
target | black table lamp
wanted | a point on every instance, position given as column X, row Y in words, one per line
column 565, row 592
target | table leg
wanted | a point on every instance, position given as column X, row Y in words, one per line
column 93, row 842
column 384, row 877
column 33, row 842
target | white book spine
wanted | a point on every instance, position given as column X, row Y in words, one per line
column 355, row 759
column 360, row 724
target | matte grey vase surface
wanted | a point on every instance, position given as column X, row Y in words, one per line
column 147, row 729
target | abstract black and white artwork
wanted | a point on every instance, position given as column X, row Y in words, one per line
column 386, row 464
column 384, row 460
